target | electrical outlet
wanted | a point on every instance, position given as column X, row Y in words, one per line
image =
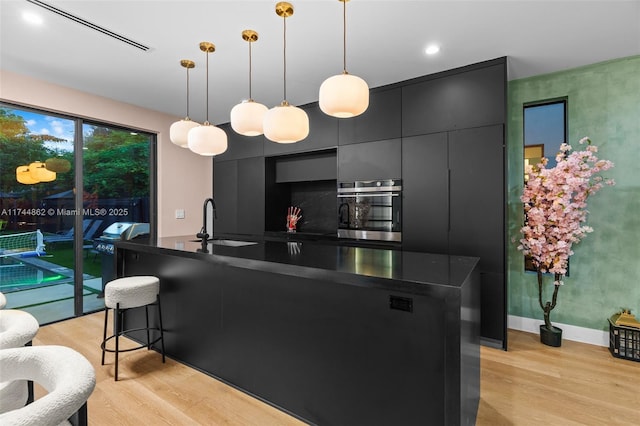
column 180, row 214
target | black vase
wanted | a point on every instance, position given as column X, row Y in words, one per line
column 551, row 336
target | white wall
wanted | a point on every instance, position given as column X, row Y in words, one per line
column 184, row 178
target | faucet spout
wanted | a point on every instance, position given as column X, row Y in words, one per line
column 203, row 232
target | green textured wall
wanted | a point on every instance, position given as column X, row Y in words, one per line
column 604, row 104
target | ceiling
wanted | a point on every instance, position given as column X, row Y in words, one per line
column 385, row 44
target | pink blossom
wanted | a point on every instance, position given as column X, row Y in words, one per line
column 555, row 202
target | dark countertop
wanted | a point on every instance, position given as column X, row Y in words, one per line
column 391, row 269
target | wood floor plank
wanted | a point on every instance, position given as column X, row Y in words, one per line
column 531, row 384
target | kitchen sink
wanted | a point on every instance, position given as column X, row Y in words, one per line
column 228, row 243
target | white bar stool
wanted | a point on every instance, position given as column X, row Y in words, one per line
column 17, row 329
column 128, row 293
column 68, row 377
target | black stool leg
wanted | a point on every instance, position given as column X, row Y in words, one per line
column 161, row 328
column 30, row 394
column 146, row 315
column 118, row 326
column 104, row 333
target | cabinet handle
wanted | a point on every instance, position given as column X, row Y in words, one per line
column 449, row 200
column 360, row 195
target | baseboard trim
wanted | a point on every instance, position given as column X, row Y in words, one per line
column 569, row 332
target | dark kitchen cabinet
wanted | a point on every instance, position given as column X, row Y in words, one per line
column 477, row 214
column 239, row 187
column 323, row 133
column 476, row 160
column 425, row 196
column 307, row 167
column 453, row 202
column 225, row 192
column 241, row 146
column 469, row 97
column 370, row 161
column 381, row 120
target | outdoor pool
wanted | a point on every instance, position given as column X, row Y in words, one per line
column 16, row 274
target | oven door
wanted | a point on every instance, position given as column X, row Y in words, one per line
column 370, row 210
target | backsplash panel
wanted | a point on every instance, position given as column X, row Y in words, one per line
column 318, row 203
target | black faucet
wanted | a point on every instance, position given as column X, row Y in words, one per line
column 203, row 232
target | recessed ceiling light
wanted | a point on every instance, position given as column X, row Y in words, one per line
column 32, row 18
column 432, row 49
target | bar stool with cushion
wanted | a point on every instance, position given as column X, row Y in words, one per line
column 67, row 376
column 127, row 293
column 17, row 329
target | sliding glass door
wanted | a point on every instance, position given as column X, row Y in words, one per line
column 62, row 183
column 116, row 165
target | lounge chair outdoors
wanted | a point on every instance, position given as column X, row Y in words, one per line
column 89, row 229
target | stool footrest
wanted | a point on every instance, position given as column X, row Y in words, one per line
column 103, row 345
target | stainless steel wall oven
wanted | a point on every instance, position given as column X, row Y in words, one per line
column 370, row 210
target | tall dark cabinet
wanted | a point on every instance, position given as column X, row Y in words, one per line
column 239, row 193
column 453, row 170
column 476, row 161
column 453, row 203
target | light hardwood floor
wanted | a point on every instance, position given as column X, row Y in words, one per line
column 531, row 384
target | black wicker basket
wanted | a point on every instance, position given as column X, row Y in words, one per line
column 624, row 342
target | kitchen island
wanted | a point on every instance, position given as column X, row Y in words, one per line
column 334, row 335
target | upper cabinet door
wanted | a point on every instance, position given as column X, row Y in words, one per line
column 469, row 99
column 382, row 120
column 323, row 133
column 240, row 146
column 377, row 160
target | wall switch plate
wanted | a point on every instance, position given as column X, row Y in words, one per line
column 179, row 213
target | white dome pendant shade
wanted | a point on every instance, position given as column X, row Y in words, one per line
column 285, row 123
column 344, row 95
column 207, row 139
column 180, row 129
column 247, row 117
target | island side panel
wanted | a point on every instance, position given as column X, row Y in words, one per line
column 470, row 332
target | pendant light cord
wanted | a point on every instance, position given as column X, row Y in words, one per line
column 187, row 92
column 344, row 36
column 250, row 98
column 207, row 94
column 284, row 56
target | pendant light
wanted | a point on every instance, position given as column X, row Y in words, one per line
column 285, row 123
column 180, row 129
column 247, row 116
column 207, row 139
column 40, row 173
column 344, row 95
column 23, row 175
